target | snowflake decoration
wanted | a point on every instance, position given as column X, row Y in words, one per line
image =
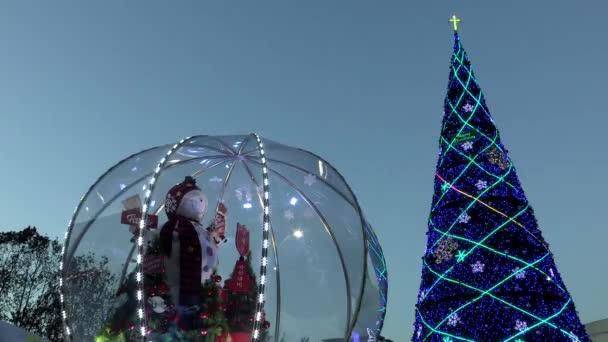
column 464, row 218
column 171, row 204
column 519, row 340
column 310, row 179
column 445, row 250
column 445, row 187
column 468, row 108
column 477, row 267
column 520, row 325
column 453, row 320
column 447, row 339
column 519, row 274
column 481, row 184
column 498, row 158
column 467, row 145
column 289, row 215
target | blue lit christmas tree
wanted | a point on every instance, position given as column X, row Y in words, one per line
column 487, row 274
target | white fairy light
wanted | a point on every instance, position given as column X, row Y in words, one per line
column 140, row 239
column 265, row 243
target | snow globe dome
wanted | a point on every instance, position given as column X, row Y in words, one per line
column 313, row 268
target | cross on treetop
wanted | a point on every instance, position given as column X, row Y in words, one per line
column 455, row 20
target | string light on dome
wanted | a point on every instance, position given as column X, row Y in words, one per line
column 265, row 236
column 140, row 239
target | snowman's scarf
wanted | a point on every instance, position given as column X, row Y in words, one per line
column 189, row 257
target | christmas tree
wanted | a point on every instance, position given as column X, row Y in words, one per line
column 487, row 274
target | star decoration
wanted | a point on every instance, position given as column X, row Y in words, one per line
column 310, row 179
column 461, row 256
column 468, row 108
column 445, row 187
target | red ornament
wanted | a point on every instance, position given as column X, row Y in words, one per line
column 266, row 324
column 204, row 315
column 204, row 332
column 217, row 278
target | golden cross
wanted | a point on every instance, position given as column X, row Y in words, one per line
column 455, row 20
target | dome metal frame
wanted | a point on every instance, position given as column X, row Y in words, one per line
column 232, row 156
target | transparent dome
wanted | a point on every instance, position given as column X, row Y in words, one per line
column 324, row 276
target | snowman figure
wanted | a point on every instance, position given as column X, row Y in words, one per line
column 190, row 249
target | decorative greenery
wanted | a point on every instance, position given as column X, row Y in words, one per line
column 201, row 323
column 241, row 307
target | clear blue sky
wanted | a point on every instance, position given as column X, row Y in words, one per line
column 84, row 84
